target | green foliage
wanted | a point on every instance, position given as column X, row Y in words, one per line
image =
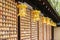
column 55, row 5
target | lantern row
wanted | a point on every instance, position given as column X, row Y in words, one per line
column 35, row 14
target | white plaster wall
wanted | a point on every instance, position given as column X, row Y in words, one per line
column 57, row 33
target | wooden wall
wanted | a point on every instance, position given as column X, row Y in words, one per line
column 30, row 30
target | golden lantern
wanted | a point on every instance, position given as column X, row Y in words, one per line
column 35, row 15
column 53, row 23
column 48, row 21
column 44, row 19
column 22, row 9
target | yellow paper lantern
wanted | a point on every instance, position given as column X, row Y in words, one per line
column 44, row 19
column 22, row 9
column 21, row 6
column 35, row 19
column 35, row 15
column 48, row 21
column 53, row 24
column 22, row 12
